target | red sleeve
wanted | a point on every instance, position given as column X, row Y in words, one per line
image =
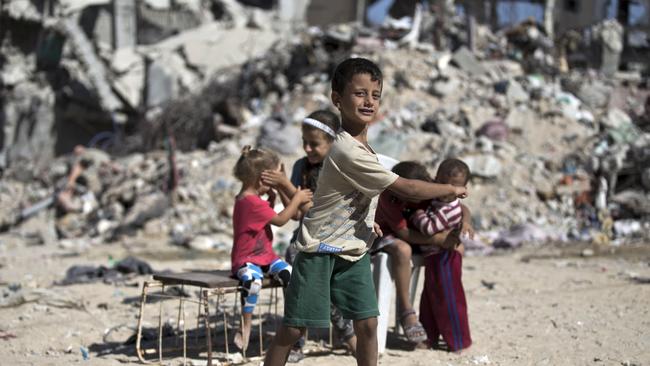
column 390, row 213
column 259, row 213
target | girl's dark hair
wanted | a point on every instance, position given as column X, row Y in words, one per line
column 252, row 162
column 412, row 170
column 346, row 70
column 328, row 118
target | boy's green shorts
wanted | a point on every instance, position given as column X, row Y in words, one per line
column 318, row 277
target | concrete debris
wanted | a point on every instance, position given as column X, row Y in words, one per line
column 519, row 235
column 610, row 32
column 15, row 296
column 516, row 93
column 83, row 48
column 280, row 135
column 467, row 62
column 485, row 166
column 174, row 89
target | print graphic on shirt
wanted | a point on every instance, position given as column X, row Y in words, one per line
column 324, row 248
column 357, row 206
column 259, row 248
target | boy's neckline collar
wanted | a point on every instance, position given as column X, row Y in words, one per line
column 366, row 146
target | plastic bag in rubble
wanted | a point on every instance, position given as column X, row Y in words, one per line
column 620, row 127
column 572, row 107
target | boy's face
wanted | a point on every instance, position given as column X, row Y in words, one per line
column 457, row 180
column 359, row 103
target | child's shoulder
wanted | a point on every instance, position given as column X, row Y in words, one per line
column 345, row 146
column 249, row 199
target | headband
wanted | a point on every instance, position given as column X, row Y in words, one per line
column 320, row 125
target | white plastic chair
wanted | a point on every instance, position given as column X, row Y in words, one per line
column 385, row 289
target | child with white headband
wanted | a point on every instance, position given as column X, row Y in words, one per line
column 318, row 133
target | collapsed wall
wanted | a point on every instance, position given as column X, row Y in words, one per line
column 554, row 156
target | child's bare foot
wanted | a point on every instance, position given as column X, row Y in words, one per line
column 241, row 340
column 243, row 334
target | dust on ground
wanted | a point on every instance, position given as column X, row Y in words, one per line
column 550, row 305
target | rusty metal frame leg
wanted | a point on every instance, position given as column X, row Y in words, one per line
column 160, row 327
column 138, row 338
column 198, row 316
column 184, row 335
column 208, row 330
column 259, row 327
column 277, row 299
column 180, row 306
column 225, row 323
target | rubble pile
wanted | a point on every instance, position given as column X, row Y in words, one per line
column 553, row 156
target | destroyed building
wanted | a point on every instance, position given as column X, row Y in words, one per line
column 164, row 93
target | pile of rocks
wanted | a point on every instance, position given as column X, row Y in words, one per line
column 567, row 157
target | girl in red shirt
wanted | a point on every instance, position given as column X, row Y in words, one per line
column 252, row 253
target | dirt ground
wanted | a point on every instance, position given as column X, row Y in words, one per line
column 551, row 305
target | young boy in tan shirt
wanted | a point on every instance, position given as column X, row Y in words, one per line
column 333, row 264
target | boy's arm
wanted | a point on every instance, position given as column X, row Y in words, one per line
column 302, row 209
column 301, row 197
column 284, row 198
column 421, row 190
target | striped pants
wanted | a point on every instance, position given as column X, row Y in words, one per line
column 443, row 309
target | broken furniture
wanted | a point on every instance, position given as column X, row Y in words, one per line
column 210, row 284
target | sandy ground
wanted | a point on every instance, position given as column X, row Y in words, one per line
column 548, row 306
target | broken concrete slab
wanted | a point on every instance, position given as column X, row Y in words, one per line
column 280, row 135
column 516, row 93
column 466, row 61
column 485, row 166
column 162, row 85
column 125, row 59
column 146, row 208
column 595, row 94
column 94, row 67
column 445, row 87
column 210, row 55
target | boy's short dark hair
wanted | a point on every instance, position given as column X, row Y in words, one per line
column 412, row 170
column 346, row 70
column 452, row 167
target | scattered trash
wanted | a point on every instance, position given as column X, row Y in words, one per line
column 87, row 274
column 481, row 360
column 84, row 353
column 488, row 285
column 164, row 122
column 17, row 296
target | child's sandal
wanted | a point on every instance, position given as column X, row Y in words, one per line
column 415, row 332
